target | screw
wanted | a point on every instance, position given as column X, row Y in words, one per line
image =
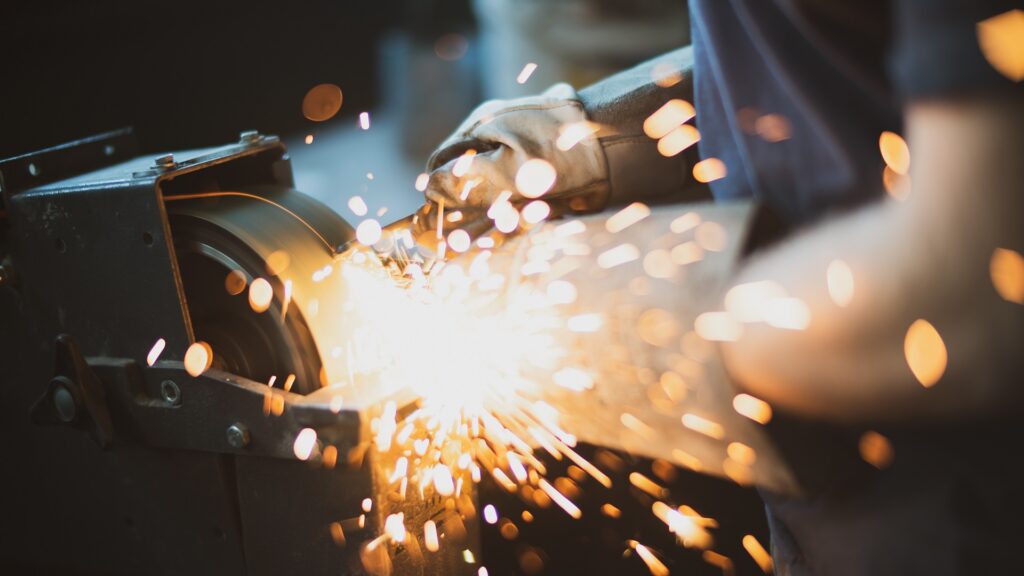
column 64, row 402
column 164, row 162
column 250, row 137
column 238, row 435
column 170, row 392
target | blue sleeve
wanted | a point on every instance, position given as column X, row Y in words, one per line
column 936, row 51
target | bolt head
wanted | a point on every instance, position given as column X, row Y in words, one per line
column 238, row 435
column 64, row 403
column 170, row 392
column 250, row 137
column 165, row 161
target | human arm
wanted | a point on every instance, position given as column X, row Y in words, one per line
column 925, row 258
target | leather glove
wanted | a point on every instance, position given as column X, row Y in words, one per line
column 505, row 134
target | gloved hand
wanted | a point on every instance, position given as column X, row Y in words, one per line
column 505, row 134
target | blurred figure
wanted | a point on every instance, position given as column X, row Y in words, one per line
column 800, row 104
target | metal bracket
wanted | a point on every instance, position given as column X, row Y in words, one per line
column 74, row 396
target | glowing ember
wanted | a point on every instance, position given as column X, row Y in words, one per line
column 875, row 449
column 754, row 408
column 459, row 240
column 364, row 120
column 703, row 426
column 677, row 140
column 198, row 358
column 155, row 351
column 309, row 140
column 626, row 217
column 490, row 514
column 305, row 442
column 536, row 211
column 1007, row 270
column 368, row 232
column 618, row 255
column 1001, row 39
column 261, row 293
column 535, row 177
column 665, row 119
column 718, row 327
column 357, row 206
column 840, row 282
column 563, row 502
column 895, row 152
column 235, row 282
column 322, row 102
column 925, row 352
column 430, row 536
column 572, row 134
column 367, row 505
column 525, row 73
column 741, row 453
column 709, row 170
column 758, row 553
column 656, row 566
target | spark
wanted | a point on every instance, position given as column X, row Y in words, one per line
column 839, row 277
column 443, row 481
column 337, row 533
column 925, row 352
column 198, row 359
column 573, row 379
column 235, row 282
column 621, row 254
column 569, row 135
column 656, row 566
column 758, row 553
column 626, row 217
column 686, row 253
column 467, row 557
column 535, row 212
column 322, row 102
column 709, row 170
column 741, row 453
column 1001, row 39
column 155, row 351
column 525, row 73
column 490, row 514
column 309, row 140
column 357, row 206
column 459, row 240
column 875, row 449
column 895, row 152
column 364, row 120
column 679, row 139
column 463, row 163
column 421, row 182
column 639, row 426
column 684, row 223
column 1007, row 270
column 260, row 295
column 704, row 426
column 611, row 511
column 430, row 536
column 560, row 499
column 368, row 232
column 535, row 178
column 671, row 114
column 647, row 485
column 716, row 559
column 718, row 327
column 570, row 228
column 367, row 505
column 305, row 442
column 787, row 313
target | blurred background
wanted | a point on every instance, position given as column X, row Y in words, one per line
column 195, row 73
column 361, row 92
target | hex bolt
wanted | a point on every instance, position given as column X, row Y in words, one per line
column 64, row 403
column 250, row 137
column 170, row 392
column 164, row 162
column 238, row 435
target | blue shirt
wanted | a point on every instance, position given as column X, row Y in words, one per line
column 793, row 95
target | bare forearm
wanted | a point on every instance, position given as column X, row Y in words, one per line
column 923, row 259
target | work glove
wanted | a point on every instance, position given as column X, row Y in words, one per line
column 502, row 136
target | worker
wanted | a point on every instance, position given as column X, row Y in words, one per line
column 793, row 98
